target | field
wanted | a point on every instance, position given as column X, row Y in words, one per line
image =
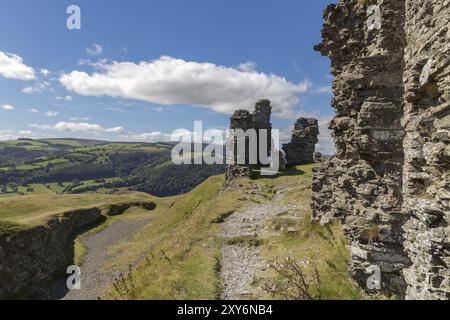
column 73, row 166
column 33, row 209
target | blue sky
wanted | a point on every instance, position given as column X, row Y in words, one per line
column 137, row 70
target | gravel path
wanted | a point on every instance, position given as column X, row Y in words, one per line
column 93, row 278
column 242, row 263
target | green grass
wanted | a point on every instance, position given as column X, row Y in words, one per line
column 38, row 189
column 27, row 145
column 35, row 209
column 324, row 246
column 66, row 142
column 79, row 251
column 37, row 165
column 182, row 247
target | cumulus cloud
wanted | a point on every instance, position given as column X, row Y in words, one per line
column 12, row 135
column 34, row 110
column 12, row 67
column 7, row 107
column 44, row 72
column 75, row 127
column 175, row 136
column 37, row 88
column 95, row 50
column 7, row 135
column 170, row 81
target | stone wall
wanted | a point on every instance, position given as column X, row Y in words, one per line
column 426, row 175
column 388, row 182
column 243, row 119
column 35, row 255
column 362, row 184
column 303, row 143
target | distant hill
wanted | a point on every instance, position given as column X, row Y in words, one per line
column 46, row 166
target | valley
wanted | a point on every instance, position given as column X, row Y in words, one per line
column 75, row 166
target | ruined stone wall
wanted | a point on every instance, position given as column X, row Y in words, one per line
column 426, row 172
column 243, row 119
column 362, row 184
column 389, row 181
column 303, row 143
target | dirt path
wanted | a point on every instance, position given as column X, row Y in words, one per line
column 241, row 262
column 93, row 277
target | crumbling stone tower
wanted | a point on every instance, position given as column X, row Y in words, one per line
column 389, row 181
column 243, row 119
column 303, row 144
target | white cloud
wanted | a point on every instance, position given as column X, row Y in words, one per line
column 7, row 135
column 170, row 81
column 248, row 66
column 47, row 114
column 76, row 127
column 96, row 50
column 37, row 88
column 29, row 90
column 12, row 67
column 7, row 107
column 51, row 113
column 11, row 135
column 44, row 72
column 66, row 98
column 326, row 144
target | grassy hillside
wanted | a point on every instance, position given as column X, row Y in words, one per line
column 180, row 252
column 74, row 166
column 34, row 209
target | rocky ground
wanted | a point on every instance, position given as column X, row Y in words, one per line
column 94, row 276
column 242, row 260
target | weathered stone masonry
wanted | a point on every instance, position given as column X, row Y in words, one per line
column 389, row 181
column 303, row 144
column 242, row 119
column 426, row 174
